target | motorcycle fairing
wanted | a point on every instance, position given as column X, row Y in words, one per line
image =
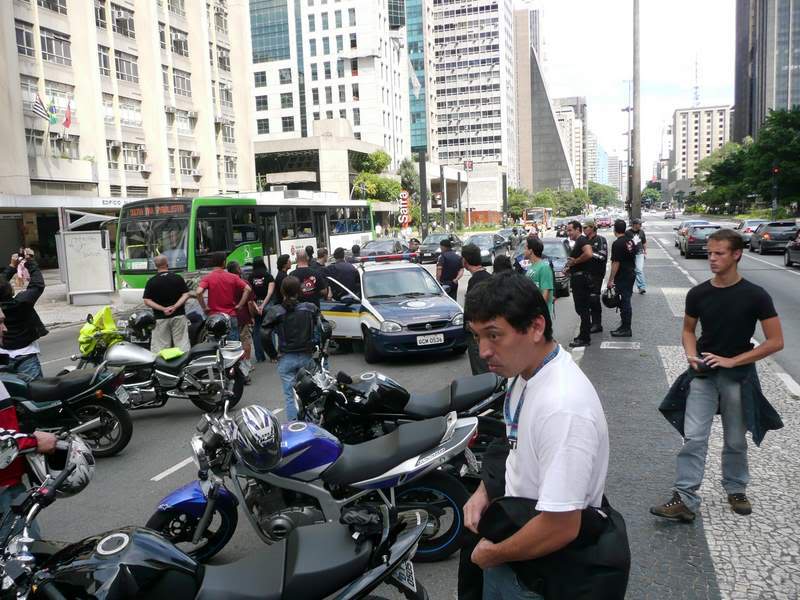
column 192, row 499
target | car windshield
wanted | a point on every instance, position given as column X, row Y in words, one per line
column 705, row 231
column 378, row 245
column 399, row 283
column 435, row 238
column 555, row 250
column 782, row 227
column 480, row 240
column 141, row 240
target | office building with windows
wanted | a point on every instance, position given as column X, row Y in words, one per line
column 422, row 99
column 696, row 133
column 574, row 121
column 475, row 92
column 121, row 99
column 316, row 60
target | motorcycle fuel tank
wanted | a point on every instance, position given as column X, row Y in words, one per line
column 384, row 394
column 126, row 354
column 126, row 563
column 306, row 450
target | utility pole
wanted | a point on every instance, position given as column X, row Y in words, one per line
column 636, row 175
column 423, row 193
column 776, row 170
column 443, row 188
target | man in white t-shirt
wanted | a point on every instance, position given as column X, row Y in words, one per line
column 555, row 425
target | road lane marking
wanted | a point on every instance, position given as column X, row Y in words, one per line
column 789, row 382
column 55, row 360
column 691, row 279
column 172, row 469
column 676, row 298
column 620, row 346
column 773, row 265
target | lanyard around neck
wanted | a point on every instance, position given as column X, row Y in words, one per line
column 513, row 422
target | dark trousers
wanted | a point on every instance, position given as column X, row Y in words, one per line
column 581, row 291
column 470, row 575
column 595, row 308
column 453, row 291
column 476, row 363
column 625, row 290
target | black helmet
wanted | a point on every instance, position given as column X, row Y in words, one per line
column 142, row 321
column 611, row 298
column 218, row 325
column 257, row 440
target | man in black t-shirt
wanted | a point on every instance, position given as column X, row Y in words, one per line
column 728, row 308
column 166, row 293
column 471, row 257
column 580, row 281
column 636, row 233
column 313, row 284
column 449, row 268
column 623, row 274
column 345, row 273
column 597, row 267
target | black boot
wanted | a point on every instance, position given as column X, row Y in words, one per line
column 624, row 330
column 596, row 328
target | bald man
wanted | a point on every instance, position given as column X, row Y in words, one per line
column 166, row 293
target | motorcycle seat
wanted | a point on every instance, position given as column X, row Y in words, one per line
column 60, row 388
column 323, row 558
column 431, row 404
column 173, row 365
column 462, row 394
column 359, row 462
column 204, row 348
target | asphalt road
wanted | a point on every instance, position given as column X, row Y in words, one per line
column 125, row 490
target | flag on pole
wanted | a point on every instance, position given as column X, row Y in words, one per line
column 39, row 108
column 53, row 109
column 68, row 116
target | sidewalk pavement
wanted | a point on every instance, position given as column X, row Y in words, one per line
column 54, row 308
column 721, row 555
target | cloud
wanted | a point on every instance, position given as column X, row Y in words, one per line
column 588, row 52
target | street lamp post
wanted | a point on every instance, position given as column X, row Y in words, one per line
column 636, row 175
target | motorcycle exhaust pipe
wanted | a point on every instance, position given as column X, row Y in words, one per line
column 88, row 426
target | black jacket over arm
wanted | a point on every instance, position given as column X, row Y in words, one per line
column 23, row 323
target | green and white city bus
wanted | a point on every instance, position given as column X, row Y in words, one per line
column 188, row 230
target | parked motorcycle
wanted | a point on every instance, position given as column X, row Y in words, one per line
column 208, row 374
column 316, row 479
column 85, row 402
column 343, row 561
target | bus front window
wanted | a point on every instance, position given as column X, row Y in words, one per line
column 141, row 240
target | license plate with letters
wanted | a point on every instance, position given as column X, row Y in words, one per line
column 404, row 575
column 430, row 340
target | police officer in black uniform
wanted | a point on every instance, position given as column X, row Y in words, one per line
column 580, row 281
column 597, row 271
column 449, row 268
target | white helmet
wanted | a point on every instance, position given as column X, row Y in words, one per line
column 72, row 451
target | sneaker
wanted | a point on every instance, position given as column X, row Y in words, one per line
column 622, row 333
column 579, row 343
column 596, row 329
column 674, row 510
column 740, row 504
column 642, row 291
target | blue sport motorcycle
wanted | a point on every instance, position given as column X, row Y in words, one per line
column 317, row 479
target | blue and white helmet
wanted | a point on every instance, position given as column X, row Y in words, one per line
column 257, row 441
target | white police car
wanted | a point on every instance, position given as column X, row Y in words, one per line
column 400, row 309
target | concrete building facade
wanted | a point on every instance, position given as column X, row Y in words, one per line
column 315, row 60
column 572, row 133
column 697, row 132
column 579, row 133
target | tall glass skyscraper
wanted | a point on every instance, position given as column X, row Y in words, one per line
column 269, row 29
column 415, row 34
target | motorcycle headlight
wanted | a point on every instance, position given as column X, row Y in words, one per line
column 391, row 327
column 458, row 319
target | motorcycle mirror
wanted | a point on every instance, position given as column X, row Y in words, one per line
column 89, row 318
column 8, row 453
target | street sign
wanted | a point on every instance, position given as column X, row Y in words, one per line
column 405, row 209
column 468, row 165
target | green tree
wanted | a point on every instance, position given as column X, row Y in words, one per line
column 650, row 195
column 602, row 195
column 377, row 162
column 571, row 203
column 546, row 198
column 409, row 177
column 377, row 187
column 519, row 199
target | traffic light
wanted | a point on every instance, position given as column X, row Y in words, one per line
column 776, row 170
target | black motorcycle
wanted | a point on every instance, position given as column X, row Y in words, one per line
column 345, row 560
column 83, row 402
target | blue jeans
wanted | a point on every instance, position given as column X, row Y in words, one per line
column 288, row 366
column 501, row 583
column 6, row 497
column 257, row 346
column 641, row 282
column 234, row 333
column 27, row 364
column 705, row 395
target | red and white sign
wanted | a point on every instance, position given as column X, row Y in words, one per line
column 405, row 209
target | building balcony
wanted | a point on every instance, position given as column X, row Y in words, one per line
column 61, row 169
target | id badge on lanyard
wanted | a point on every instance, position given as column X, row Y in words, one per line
column 513, row 422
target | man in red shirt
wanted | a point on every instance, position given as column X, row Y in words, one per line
column 227, row 293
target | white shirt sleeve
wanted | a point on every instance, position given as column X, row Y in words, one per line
column 567, row 446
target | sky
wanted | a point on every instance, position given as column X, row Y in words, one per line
column 589, row 52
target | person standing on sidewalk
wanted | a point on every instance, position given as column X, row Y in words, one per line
column 263, row 285
column 540, row 271
column 471, row 257
column 580, row 281
column 244, row 321
column 290, row 332
column 24, row 327
column 166, row 293
column 284, row 263
column 449, row 268
column 227, row 293
column 597, row 270
column 722, row 378
column 623, row 274
column 636, row 233
column 313, row 284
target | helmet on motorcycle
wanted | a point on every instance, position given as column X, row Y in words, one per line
column 218, row 325
column 142, row 321
column 611, row 298
column 257, row 440
column 73, row 451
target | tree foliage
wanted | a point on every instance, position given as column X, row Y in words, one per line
column 377, row 187
column 519, row 199
column 375, row 163
column 409, row 177
column 650, row 195
column 602, row 195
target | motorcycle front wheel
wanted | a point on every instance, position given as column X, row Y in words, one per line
column 443, row 497
column 116, row 426
column 179, row 527
column 211, row 404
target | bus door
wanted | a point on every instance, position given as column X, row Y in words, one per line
column 321, row 228
column 269, row 239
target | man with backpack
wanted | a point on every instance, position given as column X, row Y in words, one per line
column 597, row 270
column 623, row 275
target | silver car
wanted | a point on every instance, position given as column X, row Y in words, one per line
column 747, row 227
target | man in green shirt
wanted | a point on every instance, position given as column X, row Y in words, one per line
column 540, row 271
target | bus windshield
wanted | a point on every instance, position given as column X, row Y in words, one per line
column 141, row 240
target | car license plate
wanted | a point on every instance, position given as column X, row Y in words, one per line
column 404, row 575
column 427, row 254
column 122, row 395
column 429, row 340
column 705, row 248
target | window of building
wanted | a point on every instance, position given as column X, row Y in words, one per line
column 228, row 134
column 162, row 35
column 127, row 68
column 100, row 14
column 351, row 16
column 270, row 30
column 339, row 43
column 342, row 113
column 122, row 21
column 326, row 45
column 221, row 19
column 177, row 7
column 230, row 167
column 337, row 17
column 185, row 162
column 108, row 108
column 342, row 97
column 260, row 79
column 328, row 114
column 224, row 58
column 181, row 82
column 226, row 94
column 312, row 47
column 315, row 96
column 312, row 23
column 132, row 156
column 261, row 103
column 34, row 140
column 324, row 21
column 262, row 125
column 357, row 135
column 340, row 67
column 182, row 122
column 61, row 95
column 130, row 112
column 179, row 41
column 314, row 75
column 353, row 41
column 356, row 116
column 287, row 100
column 287, row 124
column 328, row 95
column 285, row 76
column 356, row 93
column 327, row 67
column 112, row 154
column 29, row 86
column 165, row 77
column 55, row 47
column 24, row 38
column 104, row 59
column 354, row 67
column 59, row 6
